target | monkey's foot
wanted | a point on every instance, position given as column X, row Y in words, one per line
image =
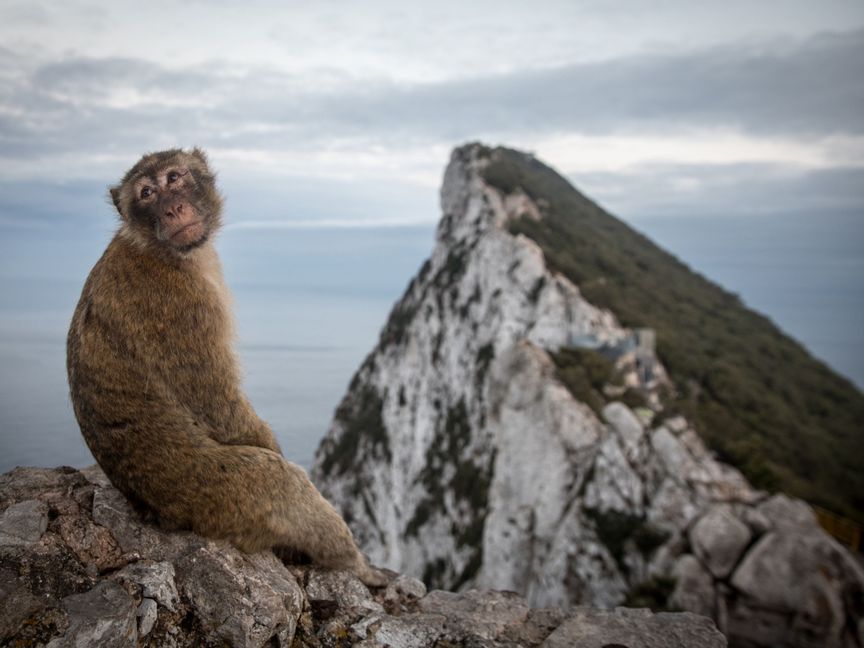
column 372, row 577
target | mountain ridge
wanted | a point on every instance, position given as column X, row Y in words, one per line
column 508, row 432
column 605, row 284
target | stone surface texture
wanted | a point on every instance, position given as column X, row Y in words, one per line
column 180, row 590
column 475, row 466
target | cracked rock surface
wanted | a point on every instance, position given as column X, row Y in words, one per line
column 120, row 581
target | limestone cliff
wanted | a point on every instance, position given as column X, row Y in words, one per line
column 507, row 433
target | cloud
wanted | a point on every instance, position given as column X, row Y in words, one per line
column 712, row 191
column 112, row 105
column 716, row 131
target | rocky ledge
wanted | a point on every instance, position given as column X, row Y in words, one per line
column 79, row 567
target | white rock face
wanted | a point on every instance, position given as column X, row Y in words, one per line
column 459, row 456
column 719, row 538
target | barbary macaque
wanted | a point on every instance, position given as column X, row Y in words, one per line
column 155, row 383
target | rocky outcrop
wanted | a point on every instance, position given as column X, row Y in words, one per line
column 78, row 567
column 506, row 433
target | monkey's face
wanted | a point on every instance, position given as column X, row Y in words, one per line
column 169, row 200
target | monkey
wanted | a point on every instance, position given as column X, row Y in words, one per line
column 155, row 383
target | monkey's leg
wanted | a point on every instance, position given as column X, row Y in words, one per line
column 257, row 499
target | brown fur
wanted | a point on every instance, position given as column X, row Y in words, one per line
column 156, row 387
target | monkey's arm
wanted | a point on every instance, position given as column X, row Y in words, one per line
column 242, row 426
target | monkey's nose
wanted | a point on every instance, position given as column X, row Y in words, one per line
column 174, row 211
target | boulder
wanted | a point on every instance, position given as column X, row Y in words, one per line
column 592, row 628
column 694, row 587
column 718, row 539
column 23, row 523
column 803, row 583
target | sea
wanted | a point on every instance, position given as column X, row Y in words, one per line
column 310, row 303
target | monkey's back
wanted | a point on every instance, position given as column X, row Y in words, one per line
column 148, row 346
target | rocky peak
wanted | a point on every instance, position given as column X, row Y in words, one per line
column 506, row 433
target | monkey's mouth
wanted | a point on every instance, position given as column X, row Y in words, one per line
column 188, row 234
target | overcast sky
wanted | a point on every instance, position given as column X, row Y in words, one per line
column 347, row 111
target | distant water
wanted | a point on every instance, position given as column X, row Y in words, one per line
column 310, row 305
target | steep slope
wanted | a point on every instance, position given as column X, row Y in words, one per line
column 509, row 433
column 756, row 396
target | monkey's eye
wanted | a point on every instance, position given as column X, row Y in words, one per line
column 173, row 176
column 146, row 192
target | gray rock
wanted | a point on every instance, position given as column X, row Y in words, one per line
column 23, row 523
column 242, row 600
column 404, row 585
column 784, row 512
column 22, row 484
column 156, row 580
column 592, row 628
column 406, row 631
column 147, row 615
column 342, row 587
column 17, row 602
column 673, row 506
column 694, row 587
column 718, row 539
column 628, row 428
column 797, row 581
column 104, row 617
column 676, row 424
column 758, row 522
column 137, row 538
column 485, row 614
column 403, row 588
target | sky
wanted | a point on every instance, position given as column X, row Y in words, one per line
column 335, row 112
column 688, row 113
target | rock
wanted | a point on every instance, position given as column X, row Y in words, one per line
column 489, row 615
column 694, row 587
column 677, row 424
column 758, row 523
column 719, row 538
column 181, row 590
column 94, row 545
column 156, row 580
column 147, row 614
column 242, row 600
column 628, row 428
column 103, row 617
column 784, row 512
column 801, row 581
column 673, row 455
column 22, row 483
column 673, row 506
column 406, row 631
column 623, row 627
column 403, row 588
column 343, row 588
column 23, row 523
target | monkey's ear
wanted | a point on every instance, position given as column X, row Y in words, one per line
column 201, row 155
column 115, row 198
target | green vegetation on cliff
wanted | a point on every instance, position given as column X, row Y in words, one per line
column 758, row 398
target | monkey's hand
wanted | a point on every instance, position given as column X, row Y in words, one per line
column 370, row 576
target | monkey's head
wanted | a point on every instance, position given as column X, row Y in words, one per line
column 169, row 202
